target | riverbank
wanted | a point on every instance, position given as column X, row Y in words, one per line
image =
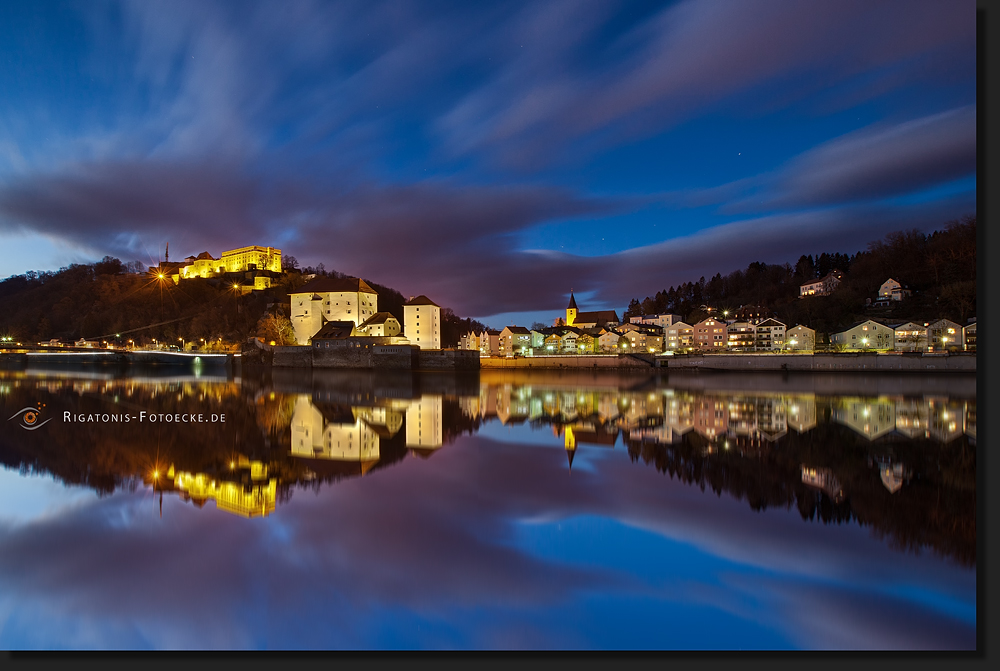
column 749, row 362
column 117, row 357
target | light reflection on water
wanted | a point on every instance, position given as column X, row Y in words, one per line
column 401, row 479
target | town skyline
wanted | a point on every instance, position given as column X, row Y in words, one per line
column 492, row 158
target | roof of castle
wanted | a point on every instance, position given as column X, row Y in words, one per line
column 421, row 300
column 323, row 285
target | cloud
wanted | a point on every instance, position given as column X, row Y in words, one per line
column 347, row 564
column 877, row 162
column 695, row 57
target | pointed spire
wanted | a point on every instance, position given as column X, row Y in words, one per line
column 569, row 455
column 572, row 301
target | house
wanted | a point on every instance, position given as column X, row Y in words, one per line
column 588, row 319
column 866, row 335
column 800, row 339
column 327, row 299
column 710, row 333
column 609, row 341
column 380, row 324
column 469, row 341
column 422, row 322
column 741, row 336
column 770, row 335
column 824, row 286
column 969, row 336
column 891, row 290
column 910, row 337
column 489, row 342
column 514, row 340
column 643, row 340
column 663, row 321
column 679, row 336
column 944, row 335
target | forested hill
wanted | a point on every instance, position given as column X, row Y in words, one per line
column 108, row 298
column 939, row 268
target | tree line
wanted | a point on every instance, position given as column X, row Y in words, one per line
column 939, row 268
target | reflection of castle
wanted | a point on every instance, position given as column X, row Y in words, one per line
column 344, row 438
column 246, row 490
column 423, row 424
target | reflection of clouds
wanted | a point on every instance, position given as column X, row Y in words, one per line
column 433, row 544
column 837, row 617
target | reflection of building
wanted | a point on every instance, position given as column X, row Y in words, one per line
column 893, row 475
column 801, row 413
column 246, row 490
column 423, row 424
column 824, row 480
column 913, row 418
column 710, row 417
column 871, row 418
column 337, row 433
column 946, row 421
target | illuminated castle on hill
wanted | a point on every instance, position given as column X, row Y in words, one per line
column 261, row 261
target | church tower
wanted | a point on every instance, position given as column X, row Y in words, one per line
column 571, row 310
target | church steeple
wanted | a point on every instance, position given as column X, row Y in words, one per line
column 571, row 309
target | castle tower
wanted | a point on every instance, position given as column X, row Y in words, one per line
column 571, row 310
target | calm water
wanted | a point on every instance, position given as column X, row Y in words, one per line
column 497, row 511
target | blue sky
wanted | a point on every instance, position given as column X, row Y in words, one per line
column 489, row 155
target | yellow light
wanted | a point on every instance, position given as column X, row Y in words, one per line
column 161, row 276
column 156, row 474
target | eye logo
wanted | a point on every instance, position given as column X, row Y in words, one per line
column 30, row 418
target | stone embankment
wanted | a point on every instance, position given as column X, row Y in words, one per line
column 868, row 362
column 362, row 356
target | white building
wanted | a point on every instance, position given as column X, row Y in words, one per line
column 944, row 335
column 866, row 335
column 423, row 423
column 800, row 339
column 821, row 287
column 770, row 335
column 910, row 337
column 380, row 324
column 422, row 322
column 327, row 299
column 891, row 290
column 663, row 321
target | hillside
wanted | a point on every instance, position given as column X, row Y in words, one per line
column 113, row 301
column 939, row 268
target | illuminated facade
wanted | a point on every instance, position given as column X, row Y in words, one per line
column 329, row 299
column 422, row 322
column 244, row 259
column 247, row 499
column 866, row 335
column 423, row 423
column 821, row 287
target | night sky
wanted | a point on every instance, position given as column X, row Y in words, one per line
column 492, row 156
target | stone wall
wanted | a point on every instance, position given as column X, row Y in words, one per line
column 446, row 359
column 611, row 361
column 870, row 362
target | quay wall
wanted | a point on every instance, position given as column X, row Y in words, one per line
column 605, row 361
column 868, row 362
column 373, row 356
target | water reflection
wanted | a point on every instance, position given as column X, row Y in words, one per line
column 499, row 500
